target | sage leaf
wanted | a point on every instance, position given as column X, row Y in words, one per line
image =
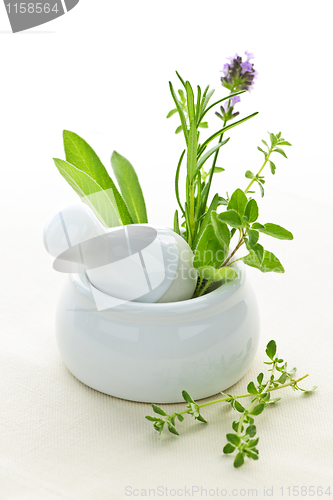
column 102, row 202
column 238, row 202
column 273, row 230
column 130, row 187
column 82, row 156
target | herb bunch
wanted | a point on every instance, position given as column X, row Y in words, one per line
column 243, row 440
column 209, row 226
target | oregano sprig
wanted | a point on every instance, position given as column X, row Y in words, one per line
column 242, row 440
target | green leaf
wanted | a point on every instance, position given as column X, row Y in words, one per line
column 251, row 454
column 279, row 150
column 251, row 210
column 260, row 378
column 239, row 460
column 264, row 142
column 235, row 425
column 239, row 407
column 270, row 262
column 190, row 101
column 232, row 218
column 262, row 191
column 180, row 417
column 177, row 181
column 217, row 170
column 253, row 442
column 180, row 78
column 180, row 111
column 130, row 187
column 233, row 439
column 273, row 167
column 172, row 112
column 228, row 127
column 209, row 153
column 253, row 236
column 274, row 139
column 179, row 129
column 224, row 273
column 82, row 156
column 284, row 143
column 220, row 100
column 102, row 202
column 176, row 223
column 313, row 388
column 208, row 251
column 238, row 202
column 249, row 174
column 282, row 378
column 221, row 231
column 258, row 409
column 229, row 448
column 187, row 397
column 203, row 125
column 251, row 430
column 251, row 388
column 273, row 230
column 158, row 410
column 192, row 151
column 152, row 419
column 173, row 429
column 206, row 220
column 271, row 349
column 201, row 419
column 258, row 147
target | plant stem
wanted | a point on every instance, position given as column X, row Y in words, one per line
column 239, row 244
column 209, row 282
column 259, row 172
column 293, row 382
column 255, row 401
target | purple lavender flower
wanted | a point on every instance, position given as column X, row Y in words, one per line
column 238, row 74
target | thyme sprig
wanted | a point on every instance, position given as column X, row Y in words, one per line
column 242, row 440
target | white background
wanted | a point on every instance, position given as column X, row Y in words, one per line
column 102, row 71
